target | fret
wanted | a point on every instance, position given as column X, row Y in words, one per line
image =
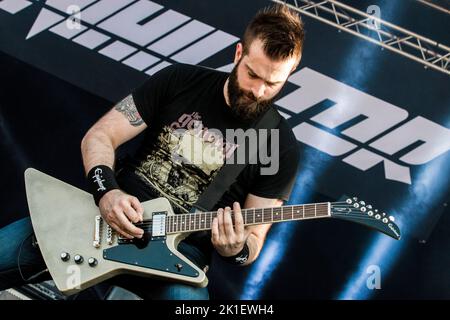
column 315, row 210
column 244, row 213
column 309, row 211
column 168, row 224
column 258, row 217
column 188, row 225
column 303, row 216
column 296, row 214
column 197, row 226
column 276, row 216
column 202, row 220
column 253, row 221
column 264, row 214
column 208, row 220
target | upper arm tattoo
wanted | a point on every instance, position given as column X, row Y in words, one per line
column 128, row 109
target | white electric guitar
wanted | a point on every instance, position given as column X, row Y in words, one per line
column 81, row 250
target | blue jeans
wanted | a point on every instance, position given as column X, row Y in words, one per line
column 21, row 262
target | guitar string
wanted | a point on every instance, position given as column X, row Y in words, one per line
column 248, row 211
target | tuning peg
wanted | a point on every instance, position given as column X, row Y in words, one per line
column 356, row 205
column 363, row 209
column 384, row 214
column 391, row 218
column 355, row 199
column 377, row 216
column 376, row 210
column 385, row 220
column 369, row 206
column 362, row 203
column 370, row 213
column 349, row 201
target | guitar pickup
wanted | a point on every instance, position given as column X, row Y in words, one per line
column 159, row 224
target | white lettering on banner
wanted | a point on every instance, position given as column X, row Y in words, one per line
column 180, row 38
column 380, row 117
column 177, row 36
column 436, row 140
column 14, row 6
column 322, row 140
column 126, row 23
column 349, row 104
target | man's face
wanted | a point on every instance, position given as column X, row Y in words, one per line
column 256, row 80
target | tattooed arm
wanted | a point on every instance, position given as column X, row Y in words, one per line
column 119, row 125
column 98, row 146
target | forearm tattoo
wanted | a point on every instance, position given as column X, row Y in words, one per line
column 128, row 109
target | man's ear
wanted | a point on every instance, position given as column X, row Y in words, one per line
column 295, row 65
column 238, row 53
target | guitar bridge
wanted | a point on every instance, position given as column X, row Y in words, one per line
column 97, row 231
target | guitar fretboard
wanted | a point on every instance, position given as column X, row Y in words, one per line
column 203, row 220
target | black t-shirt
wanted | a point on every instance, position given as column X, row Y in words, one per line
column 185, row 111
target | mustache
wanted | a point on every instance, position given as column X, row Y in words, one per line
column 250, row 96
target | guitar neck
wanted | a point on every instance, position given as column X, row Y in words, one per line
column 200, row 221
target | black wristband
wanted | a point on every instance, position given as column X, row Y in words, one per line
column 239, row 258
column 101, row 180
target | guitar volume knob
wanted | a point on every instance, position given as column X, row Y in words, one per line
column 78, row 259
column 92, row 262
column 65, row 256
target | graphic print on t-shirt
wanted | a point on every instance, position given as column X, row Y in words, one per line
column 186, row 158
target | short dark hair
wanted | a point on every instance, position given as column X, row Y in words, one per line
column 280, row 29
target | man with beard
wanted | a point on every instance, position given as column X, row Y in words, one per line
column 202, row 103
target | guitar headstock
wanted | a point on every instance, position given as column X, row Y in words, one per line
column 355, row 210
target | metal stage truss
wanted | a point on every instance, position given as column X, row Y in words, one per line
column 387, row 35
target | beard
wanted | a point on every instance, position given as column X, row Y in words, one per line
column 244, row 105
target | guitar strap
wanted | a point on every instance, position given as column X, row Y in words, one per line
column 230, row 171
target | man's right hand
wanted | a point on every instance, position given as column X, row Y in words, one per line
column 119, row 210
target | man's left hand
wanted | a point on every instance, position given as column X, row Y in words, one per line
column 228, row 239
